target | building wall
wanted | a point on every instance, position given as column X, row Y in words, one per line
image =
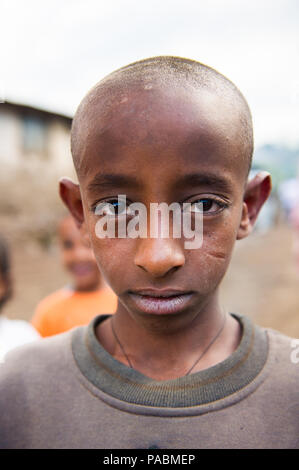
column 31, row 138
column 10, row 136
column 34, row 154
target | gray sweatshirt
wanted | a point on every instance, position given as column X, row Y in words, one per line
column 66, row 391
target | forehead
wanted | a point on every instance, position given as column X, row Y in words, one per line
column 160, row 128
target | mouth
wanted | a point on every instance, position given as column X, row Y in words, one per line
column 161, row 302
column 82, row 269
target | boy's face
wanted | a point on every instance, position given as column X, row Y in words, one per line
column 165, row 147
column 78, row 257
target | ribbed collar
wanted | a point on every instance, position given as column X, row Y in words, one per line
column 203, row 387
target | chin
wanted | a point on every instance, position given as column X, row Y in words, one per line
column 87, row 286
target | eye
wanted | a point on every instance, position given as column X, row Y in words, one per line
column 113, row 207
column 67, row 244
column 207, row 205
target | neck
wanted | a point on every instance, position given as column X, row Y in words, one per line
column 166, row 348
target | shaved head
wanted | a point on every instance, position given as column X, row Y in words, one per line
column 159, row 77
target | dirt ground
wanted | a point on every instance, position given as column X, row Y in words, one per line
column 262, row 281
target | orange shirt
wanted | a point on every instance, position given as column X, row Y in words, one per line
column 66, row 308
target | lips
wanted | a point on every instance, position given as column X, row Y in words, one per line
column 82, row 269
column 161, row 302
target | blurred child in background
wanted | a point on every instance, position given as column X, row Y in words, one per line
column 13, row 333
column 294, row 221
column 86, row 297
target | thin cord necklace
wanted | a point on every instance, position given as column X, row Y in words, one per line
column 197, row 360
column 209, row 345
column 117, row 340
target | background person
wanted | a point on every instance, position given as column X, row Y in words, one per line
column 13, row 333
column 86, row 296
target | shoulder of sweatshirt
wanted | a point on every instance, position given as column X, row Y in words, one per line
column 284, row 357
column 35, row 364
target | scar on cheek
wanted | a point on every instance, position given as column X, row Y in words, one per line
column 123, row 100
column 216, row 254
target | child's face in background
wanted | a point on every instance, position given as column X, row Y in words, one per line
column 166, row 147
column 77, row 257
column 3, row 289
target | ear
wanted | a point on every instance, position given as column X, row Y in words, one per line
column 71, row 196
column 256, row 193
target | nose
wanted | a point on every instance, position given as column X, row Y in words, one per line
column 82, row 252
column 158, row 256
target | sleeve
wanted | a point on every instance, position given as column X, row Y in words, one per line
column 30, row 333
column 40, row 320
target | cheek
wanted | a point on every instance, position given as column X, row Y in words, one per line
column 89, row 256
column 219, row 243
column 110, row 255
column 66, row 257
column 211, row 261
column 219, row 235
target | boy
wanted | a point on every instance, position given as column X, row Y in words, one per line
column 170, row 369
column 13, row 333
column 88, row 296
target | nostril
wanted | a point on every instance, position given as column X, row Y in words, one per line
column 159, row 257
column 157, row 271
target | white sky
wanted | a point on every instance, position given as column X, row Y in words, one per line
column 52, row 52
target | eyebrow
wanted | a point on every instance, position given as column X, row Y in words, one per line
column 109, row 181
column 205, row 179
